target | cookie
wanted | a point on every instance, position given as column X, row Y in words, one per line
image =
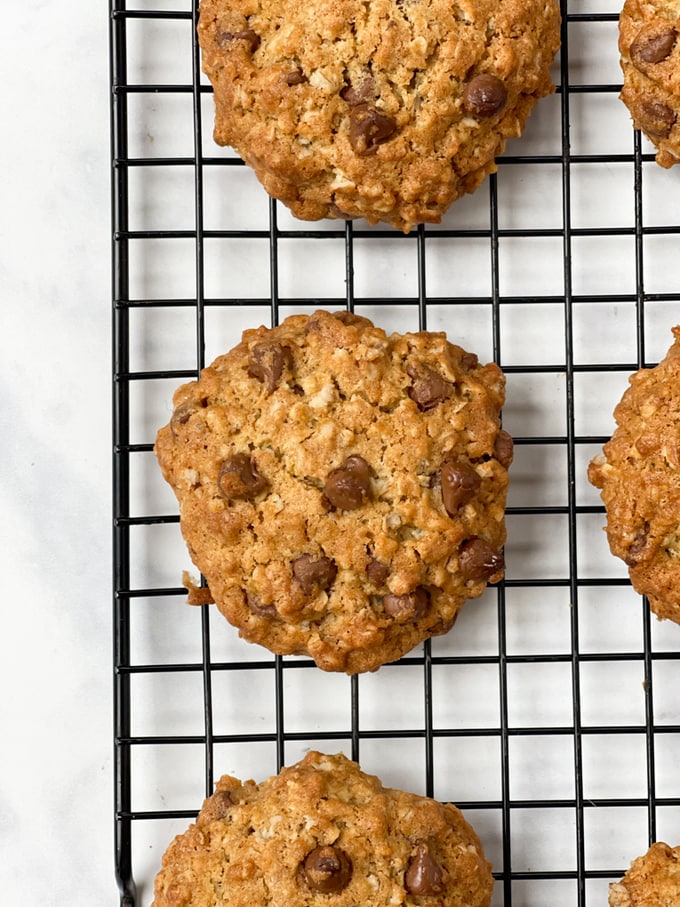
column 322, row 832
column 653, row 880
column 342, row 491
column 388, row 110
column 650, row 60
column 639, row 477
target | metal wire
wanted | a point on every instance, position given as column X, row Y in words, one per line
column 130, row 598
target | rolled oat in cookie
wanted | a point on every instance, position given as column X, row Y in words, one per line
column 342, row 491
column 653, row 880
column 322, row 833
column 638, row 473
column 388, row 110
column 650, row 60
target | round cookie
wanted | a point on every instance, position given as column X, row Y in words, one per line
column 388, row 110
column 650, row 60
column 322, row 832
column 342, row 491
column 653, row 880
column 639, row 477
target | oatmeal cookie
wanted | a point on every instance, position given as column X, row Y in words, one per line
column 650, row 60
column 342, row 491
column 653, row 880
column 388, row 110
column 322, row 832
column 639, row 477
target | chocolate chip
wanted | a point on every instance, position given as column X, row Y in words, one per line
column 368, row 128
column 423, row 876
column 349, row 486
column 478, row 559
column 428, row 388
column 503, row 448
column 314, row 574
column 409, row 606
column 327, row 869
column 377, row 572
column 655, row 118
column 637, row 546
column 459, row 484
column 267, row 362
column 221, row 803
column 359, row 93
column 652, row 48
column 484, row 95
column 469, row 361
column 255, row 604
column 226, row 38
column 238, row 478
column 182, row 414
column 295, row 77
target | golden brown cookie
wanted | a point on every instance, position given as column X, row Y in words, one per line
column 388, row 110
column 639, row 475
column 650, row 59
column 322, row 833
column 653, row 880
column 342, row 491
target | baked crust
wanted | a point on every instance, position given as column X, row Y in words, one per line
column 276, row 843
column 350, row 109
column 653, row 880
column 650, row 60
column 639, row 477
column 342, row 491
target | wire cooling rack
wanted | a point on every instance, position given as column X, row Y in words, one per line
column 550, row 713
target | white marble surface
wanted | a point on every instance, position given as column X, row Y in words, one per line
column 55, row 670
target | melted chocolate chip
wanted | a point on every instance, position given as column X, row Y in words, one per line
column 182, row 414
column 377, row 572
column 428, row 388
column 295, row 77
column 267, row 363
column 255, row 604
column 654, row 47
column 423, row 876
column 484, row 95
column 314, row 574
column 478, row 559
column 410, row 606
column 327, row 869
column 469, row 361
column 358, row 93
column 368, row 128
column 459, row 483
column 349, row 486
column 655, row 118
column 238, row 478
column 226, row 38
column 637, row 546
column 221, row 803
column 503, row 448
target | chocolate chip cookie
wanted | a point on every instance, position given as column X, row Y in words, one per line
column 388, row 110
column 653, row 880
column 650, row 59
column 342, row 491
column 322, row 832
column 639, row 475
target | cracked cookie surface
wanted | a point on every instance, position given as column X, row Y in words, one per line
column 388, row 110
column 322, row 832
column 653, row 880
column 639, row 477
column 342, row 491
column 650, row 60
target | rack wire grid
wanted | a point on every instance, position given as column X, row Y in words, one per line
column 550, row 713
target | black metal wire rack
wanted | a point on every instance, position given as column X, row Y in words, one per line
column 549, row 715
